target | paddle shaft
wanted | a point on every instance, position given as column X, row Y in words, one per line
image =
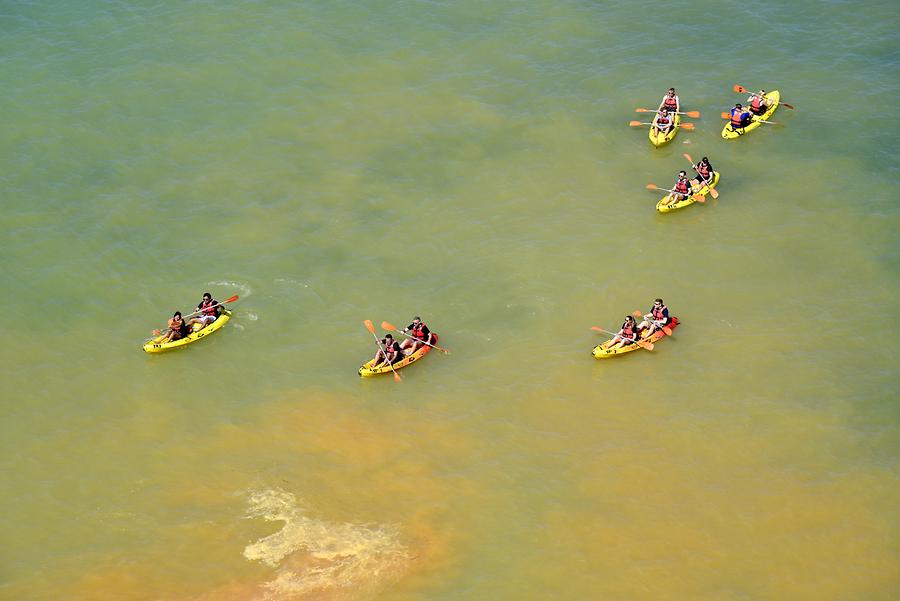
column 613, row 334
column 386, row 358
column 443, row 350
column 183, row 317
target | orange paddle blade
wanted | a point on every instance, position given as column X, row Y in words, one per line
column 230, row 299
column 386, row 326
column 645, row 344
column 369, row 326
column 688, row 157
column 699, row 198
column 643, row 110
column 693, row 114
column 667, row 330
column 156, row 332
column 396, row 377
column 687, row 126
column 726, row 116
column 597, row 329
column 637, row 313
column 634, row 123
column 652, row 187
column 740, row 89
column 713, row 192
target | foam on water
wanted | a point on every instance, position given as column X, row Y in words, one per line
column 314, row 555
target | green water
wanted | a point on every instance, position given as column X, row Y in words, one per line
column 470, row 162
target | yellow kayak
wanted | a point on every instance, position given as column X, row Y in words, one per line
column 680, row 204
column 367, row 370
column 158, row 346
column 772, row 98
column 602, row 352
column 659, row 140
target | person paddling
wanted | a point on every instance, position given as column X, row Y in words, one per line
column 392, row 348
column 627, row 334
column 681, row 190
column 656, row 318
column 758, row 103
column 209, row 309
column 740, row 118
column 662, row 123
column 177, row 328
column 670, row 102
column 704, row 173
column 420, row 333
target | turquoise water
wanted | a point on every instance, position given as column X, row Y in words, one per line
column 471, row 163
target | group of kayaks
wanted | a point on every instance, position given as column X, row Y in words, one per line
column 162, row 342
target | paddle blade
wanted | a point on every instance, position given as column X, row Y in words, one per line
column 230, row 299
column 790, row 106
column 687, row 126
column 699, row 198
column 740, row 89
column 667, row 330
column 156, row 332
column 643, row 110
column 635, row 123
column 726, row 116
column 597, row 329
column 688, row 157
column 637, row 313
column 713, row 192
column 396, row 377
column 389, row 327
column 652, row 187
column 646, row 345
column 369, row 326
column 693, row 114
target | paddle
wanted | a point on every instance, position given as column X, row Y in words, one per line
column 712, row 191
column 684, row 126
column 640, row 343
column 692, row 114
column 697, row 197
column 742, row 90
column 371, row 328
column 227, row 300
column 755, row 118
column 665, row 329
column 391, row 328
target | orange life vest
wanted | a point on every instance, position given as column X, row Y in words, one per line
column 657, row 313
column 682, row 186
column 756, row 104
column 670, row 103
column 419, row 331
column 703, row 170
column 209, row 307
column 662, row 120
column 737, row 118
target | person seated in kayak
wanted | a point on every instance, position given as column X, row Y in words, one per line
column 656, row 317
column 681, row 190
column 419, row 332
column 662, row 123
column 177, row 328
column 392, row 348
column 740, row 118
column 627, row 334
column 208, row 310
column 758, row 103
column 670, row 102
column 704, row 173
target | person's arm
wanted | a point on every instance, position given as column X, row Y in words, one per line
column 677, row 104
column 425, row 331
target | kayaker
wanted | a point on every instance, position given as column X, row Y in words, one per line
column 682, row 189
column 656, row 317
column 177, row 328
column 704, row 172
column 662, row 123
column 420, row 333
column 758, row 103
column 670, row 102
column 627, row 334
column 740, row 118
column 392, row 348
column 209, row 310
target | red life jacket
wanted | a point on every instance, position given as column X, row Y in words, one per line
column 662, row 121
column 419, row 331
column 682, row 186
column 703, row 170
column 756, row 104
column 670, row 103
column 628, row 331
column 657, row 313
column 209, row 307
column 736, row 120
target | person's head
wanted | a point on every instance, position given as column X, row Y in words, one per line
column 762, row 93
column 664, row 112
column 704, row 160
column 388, row 338
column 738, row 105
column 658, row 302
column 682, row 175
column 629, row 319
column 177, row 315
column 417, row 319
column 671, row 91
column 207, row 296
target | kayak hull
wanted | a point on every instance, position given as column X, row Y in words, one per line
column 158, row 346
column 773, row 97
column 602, row 352
column 664, row 208
column 367, row 371
column 662, row 140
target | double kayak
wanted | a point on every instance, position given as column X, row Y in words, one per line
column 730, row 133
column 680, row 204
column 658, row 139
column 156, row 345
column 367, row 370
column 602, row 351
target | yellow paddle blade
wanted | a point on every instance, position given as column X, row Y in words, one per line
column 387, row 326
column 369, row 326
